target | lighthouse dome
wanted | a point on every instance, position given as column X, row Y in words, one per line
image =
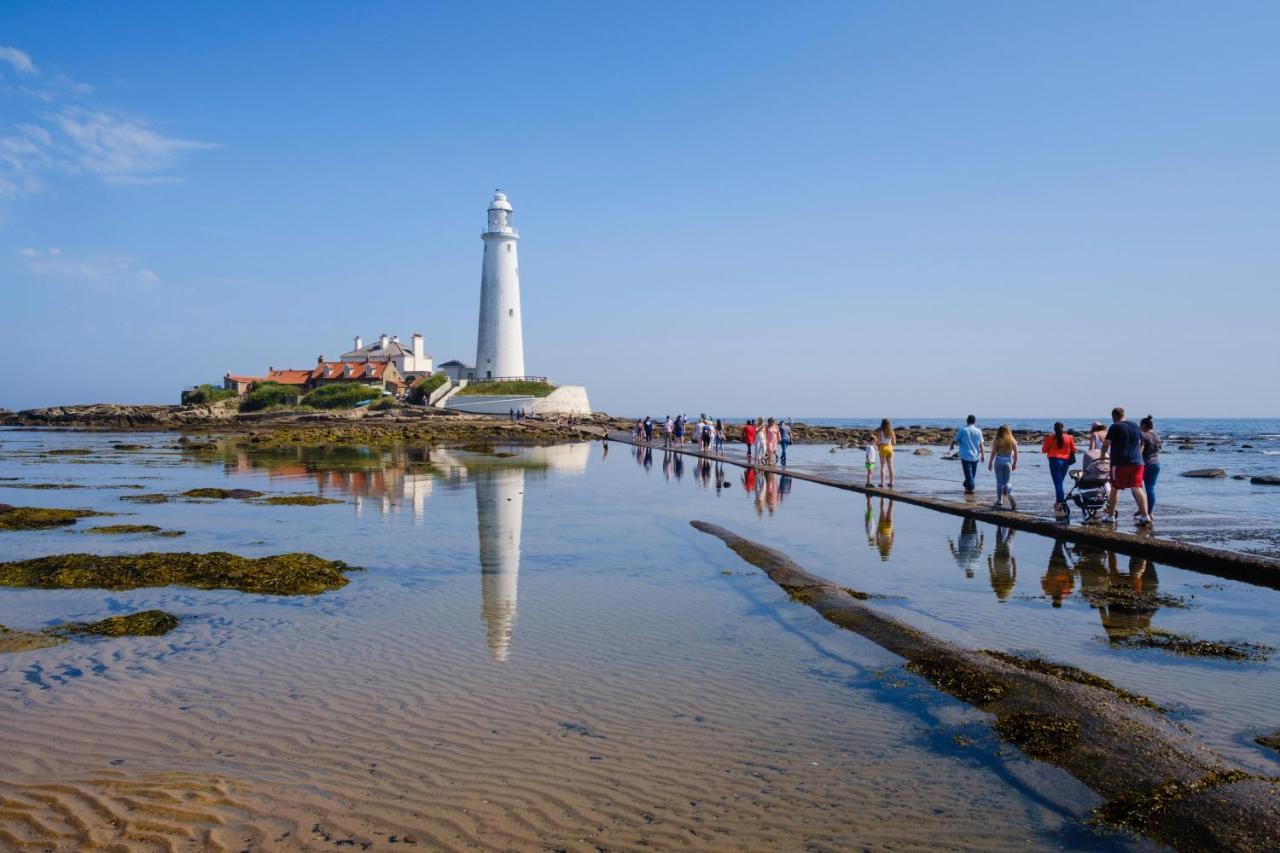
column 500, row 201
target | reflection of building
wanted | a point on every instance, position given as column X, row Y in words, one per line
column 499, row 520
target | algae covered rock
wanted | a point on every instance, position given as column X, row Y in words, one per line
column 123, row 529
column 40, row 518
column 222, row 494
column 1206, row 473
column 145, row 623
column 22, row 641
column 282, row 574
column 298, row 500
column 146, row 499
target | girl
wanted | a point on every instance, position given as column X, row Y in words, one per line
column 772, row 435
column 1004, row 460
column 1060, row 449
column 720, row 436
column 1150, row 461
column 760, row 441
column 886, row 438
column 1097, row 434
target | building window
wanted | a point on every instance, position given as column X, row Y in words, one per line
column 508, row 247
column 511, row 312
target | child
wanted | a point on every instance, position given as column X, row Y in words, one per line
column 871, row 460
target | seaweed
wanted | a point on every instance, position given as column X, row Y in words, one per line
column 146, row 499
column 22, row 641
column 1038, row 735
column 1134, row 599
column 40, row 518
column 126, row 447
column 1072, row 674
column 298, row 500
column 41, row 486
column 1142, row 811
column 960, row 679
column 282, row 574
column 222, row 494
column 120, row 529
column 1271, row 741
column 1181, row 644
column 70, row 451
column 145, row 623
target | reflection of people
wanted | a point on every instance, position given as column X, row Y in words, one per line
column 884, row 530
column 1058, row 581
column 967, row 549
column 1002, row 566
column 1100, row 571
column 771, row 492
column 871, row 516
column 749, row 480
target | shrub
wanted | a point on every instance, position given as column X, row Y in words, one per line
column 206, row 393
column 266, row 394
column 426, row 386
column 341, row 396
column 516, row 388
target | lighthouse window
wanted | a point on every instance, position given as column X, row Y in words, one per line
column 511, row 312
column 508, row 247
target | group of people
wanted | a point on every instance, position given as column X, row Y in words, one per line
column 766, row 442
column 1130, row 452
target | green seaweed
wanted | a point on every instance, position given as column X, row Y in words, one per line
column 1072, row 674
column 121, row 529
column 1134, row 599
column 1038, row 735
column 41, row 486
column 1143, row 811
column 40, row 518
column 282, row 574
column 1271, row 741
column 145, row 623
column 222, row 494
column 22, row 641
column 298, row 500
column 962, row 680
column 1181, row 644
column 146, row 499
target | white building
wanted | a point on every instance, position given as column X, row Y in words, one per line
column 411, row 361
column 500, row 341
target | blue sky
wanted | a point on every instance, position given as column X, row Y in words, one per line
column 845, row 208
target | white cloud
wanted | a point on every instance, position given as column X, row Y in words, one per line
column 106, row 271
column 122, row 150
column 19, row 60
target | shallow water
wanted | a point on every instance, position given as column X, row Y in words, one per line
column 540, row 652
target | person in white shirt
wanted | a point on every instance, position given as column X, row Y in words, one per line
column 871, row 460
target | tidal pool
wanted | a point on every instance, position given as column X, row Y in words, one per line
column 540, row 652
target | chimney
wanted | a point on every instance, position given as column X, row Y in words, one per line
column 395, row 339
column 382, row 340
column 359, row 342
column 419, row 357
column 320, row 358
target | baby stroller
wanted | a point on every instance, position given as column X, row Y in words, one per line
column 1091, row 488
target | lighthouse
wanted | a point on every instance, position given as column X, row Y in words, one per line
column 500, row 341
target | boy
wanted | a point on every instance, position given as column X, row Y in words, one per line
column 871, row 460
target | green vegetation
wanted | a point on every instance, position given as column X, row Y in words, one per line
column 340, row 396
column 283, row 574
column 387, row 403
column 221, row 494
column 205, row 394
column 266, row 394
column 146, row 499
column 146, row 623
column 423, row 388
column 516, row 388
column 40, row 518
column 298, row 500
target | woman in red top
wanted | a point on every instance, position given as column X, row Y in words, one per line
column 1060, row 448
column 749, row 437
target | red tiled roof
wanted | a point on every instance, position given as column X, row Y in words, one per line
column 230, row 377
column 355, row 371
column 289, row 377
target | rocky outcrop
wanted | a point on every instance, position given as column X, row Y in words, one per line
column 1265, row 481
column 1206, row 473
column 116, row 416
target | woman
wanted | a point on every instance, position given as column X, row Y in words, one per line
column 772, row 435
column 885, row 440
column 706, row 435
column 1060, row 449
column 1004, row 461
column 760, row 441
column 1097, row 434
column 720, row 435
column 749, row 437
column 1150, row 461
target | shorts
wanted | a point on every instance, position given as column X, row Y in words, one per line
column 1126, row 476
column 886, row 450
column 871, row 466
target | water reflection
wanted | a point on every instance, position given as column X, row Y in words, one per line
column 1002, row 566
column 966, row 550
column 1122, row 613
column 879, row 527
column 394, row 478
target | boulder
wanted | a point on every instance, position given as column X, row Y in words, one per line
column 1265, row 481
column 1205, row 473
column 922, row 451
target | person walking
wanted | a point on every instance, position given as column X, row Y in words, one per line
column 648, row 428
column 885, row 439
column 719, row 435
column 668, row 431
column 679, row 429
column 972, row 452
column 749, row 438
column 871, row 463
column 772, row 435
column 706, row 435
column 1124, row 443
column 760, row 440
column 1060, row 450
column 785, row 428
column 1150, row 462
column 1004, row 461
column 1097, row 435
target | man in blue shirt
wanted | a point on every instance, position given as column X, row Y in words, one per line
column 969, row 439
column 1124, row 443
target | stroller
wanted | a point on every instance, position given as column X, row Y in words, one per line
column 1091, row 488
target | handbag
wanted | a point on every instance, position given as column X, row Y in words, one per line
column 1071, row 460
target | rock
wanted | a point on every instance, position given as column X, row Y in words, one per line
column 1205, row 473
column 1239, row 477
column 922, row 451
column 1265, row 481
column 1186, row 447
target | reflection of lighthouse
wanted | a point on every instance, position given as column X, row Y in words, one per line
column 499, row 516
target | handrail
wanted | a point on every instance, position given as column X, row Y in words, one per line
column 542, row 379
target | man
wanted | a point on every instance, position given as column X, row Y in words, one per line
column 1124, row 443
column 969, row 439
column 786, row 438
column 648, row 429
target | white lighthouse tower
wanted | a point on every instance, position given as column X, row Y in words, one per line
column 500, row 341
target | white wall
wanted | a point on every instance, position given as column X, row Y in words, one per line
column 500, row 338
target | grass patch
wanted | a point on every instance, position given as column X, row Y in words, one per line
column 298, row 500
column 40, row 518
column 146, row 623
column 265, row 394
column 221, row 494
column 283, row 574
column 423, row 388
column 1141, row 811
column 516, row 388
column 341, row 396
column 41, row 486
column 1134, row 599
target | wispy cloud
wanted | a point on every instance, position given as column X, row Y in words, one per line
column 101, row 272
column 63, row 134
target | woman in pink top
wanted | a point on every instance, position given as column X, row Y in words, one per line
column 772, row 435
